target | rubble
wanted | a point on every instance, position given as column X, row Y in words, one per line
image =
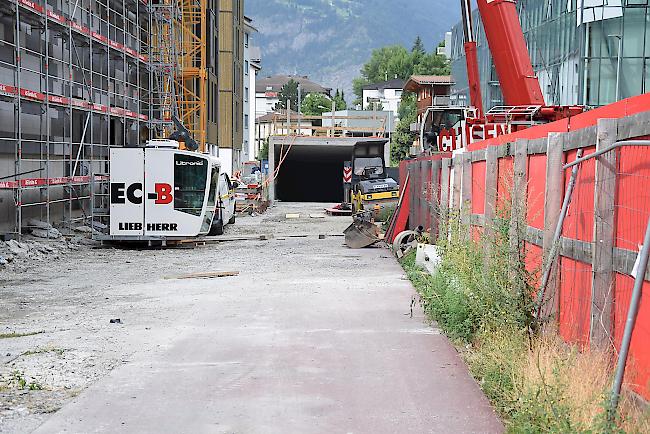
column 43, row 229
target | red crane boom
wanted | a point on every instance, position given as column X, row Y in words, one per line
column 505, row 37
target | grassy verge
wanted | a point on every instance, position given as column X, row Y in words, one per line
column 481, row 298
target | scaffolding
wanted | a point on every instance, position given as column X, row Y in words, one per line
column 77, row 77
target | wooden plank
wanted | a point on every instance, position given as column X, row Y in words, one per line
column 538, row 146
column 581, row 138
column 553, row 196
column 458, row 174
column 518, row 197
column 444, row 192
column 633, row 126
column 434, row 209
column 478, row 155
column 491, row 177
column 466, row 191
column 604, row 233
column 205, row 275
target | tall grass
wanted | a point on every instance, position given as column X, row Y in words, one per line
column 482, row 297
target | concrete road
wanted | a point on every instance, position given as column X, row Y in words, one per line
column 311, row 337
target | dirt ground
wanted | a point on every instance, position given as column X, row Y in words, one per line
column 56, row 337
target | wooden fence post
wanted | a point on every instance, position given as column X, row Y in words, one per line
column 553, row 196
column 444, row 195
column 600, row 330
column 413, row 182
column 434, row 208
column 466, row 193
column 491, row 176
column 518, row 199
column 458, row 173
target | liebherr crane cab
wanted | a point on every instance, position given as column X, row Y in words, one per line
column 159, row 192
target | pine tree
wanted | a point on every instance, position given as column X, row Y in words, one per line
column 418, row 47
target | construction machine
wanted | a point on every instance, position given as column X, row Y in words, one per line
column 373, row 194
column 165, row 191
column 524, row 102
column 372, row 189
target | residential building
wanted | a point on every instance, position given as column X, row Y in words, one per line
column 385, row 95
column 267, row 90
column 252, row 65
column 226, row 81
column 429, row 90
column 256, row 66
column 575, row 46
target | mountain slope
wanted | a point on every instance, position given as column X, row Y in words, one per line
column 329, row 40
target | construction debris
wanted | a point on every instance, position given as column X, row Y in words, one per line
column 43, row 229
column 292, row 216
column 115, row 321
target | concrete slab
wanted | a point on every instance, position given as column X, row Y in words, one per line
column 311, row 337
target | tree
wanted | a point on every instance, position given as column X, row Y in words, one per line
column 396, row 61
column 264, row 150
column 339, row 99
column 315, row 104
column 402, row 138
column 288, row 92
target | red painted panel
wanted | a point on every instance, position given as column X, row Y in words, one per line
column 632, row 196
column 638, row 373
column 504, row 182
column 536, row 188
column 575, row 299
column 534, row 255
column 579, row 222
column 478, row 187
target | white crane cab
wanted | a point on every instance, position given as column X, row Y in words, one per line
column 159, row 192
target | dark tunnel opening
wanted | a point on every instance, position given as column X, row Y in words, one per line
column 312, row 174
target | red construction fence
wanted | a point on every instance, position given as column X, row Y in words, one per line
column 590, row 288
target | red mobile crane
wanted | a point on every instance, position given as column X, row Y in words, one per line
column 519, row 85
column 453, row 127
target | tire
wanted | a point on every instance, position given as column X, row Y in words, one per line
column 216, row 228
column 232, row 220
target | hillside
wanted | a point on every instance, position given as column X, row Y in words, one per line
column 329, row 40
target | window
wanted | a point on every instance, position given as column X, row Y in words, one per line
column 246, row 67
column 246, row 94
column 246, row 122
column 246, row 38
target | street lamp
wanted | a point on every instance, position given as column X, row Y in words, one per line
column 618, row 64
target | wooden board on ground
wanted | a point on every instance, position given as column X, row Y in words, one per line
column 338, row 212
column 292, row 216
column 206, row 275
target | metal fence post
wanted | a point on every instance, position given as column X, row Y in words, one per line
column 630, row 322
column 600, row 329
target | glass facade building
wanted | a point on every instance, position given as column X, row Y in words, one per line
column 581, row 51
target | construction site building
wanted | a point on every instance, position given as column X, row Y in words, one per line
column 79, row 76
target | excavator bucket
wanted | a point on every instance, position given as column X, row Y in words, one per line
column 361, row 234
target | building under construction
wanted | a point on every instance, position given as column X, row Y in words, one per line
column 79, row 76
